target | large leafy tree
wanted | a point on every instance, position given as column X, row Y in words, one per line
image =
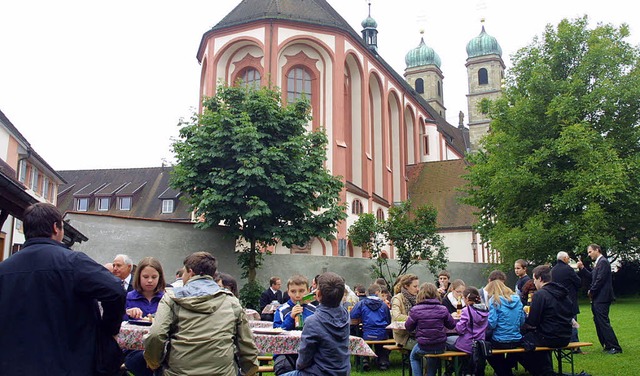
column 561, row 166
column 412, row 232
column 250, row 163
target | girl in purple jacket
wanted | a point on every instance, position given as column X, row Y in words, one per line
column 430, row 319
column 472, row 325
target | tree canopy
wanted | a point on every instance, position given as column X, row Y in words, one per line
column 250, row 163
column 411, row 231
column 560, row 168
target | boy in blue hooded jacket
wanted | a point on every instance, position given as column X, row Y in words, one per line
column 375, row 316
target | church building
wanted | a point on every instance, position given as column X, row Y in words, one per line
column 388, row 137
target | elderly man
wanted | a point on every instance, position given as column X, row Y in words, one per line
column 564, row 275
column 123, row 269
column 601, row 295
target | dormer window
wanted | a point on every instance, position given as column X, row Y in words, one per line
column 103, row 204
column 82, row 204
column 124, row 203
column 167, row 206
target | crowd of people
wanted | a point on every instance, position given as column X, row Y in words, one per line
column 60, row 311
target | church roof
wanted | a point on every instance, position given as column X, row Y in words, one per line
column 422, row 55
column 438, row 184
column 317, row 12
column 320, row 12
column 482, row 45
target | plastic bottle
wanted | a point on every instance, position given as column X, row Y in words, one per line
column 299, row 319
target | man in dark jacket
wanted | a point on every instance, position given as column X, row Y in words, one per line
column 49, row 317
column 272, row 294
column 375, row 317
column 601, row 295
column 549, row 321
column 564, row 275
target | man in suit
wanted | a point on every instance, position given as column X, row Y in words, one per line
column 601, row 295
column 271, row 294
column 123, row 269
column 49, row 317
column 564, row 274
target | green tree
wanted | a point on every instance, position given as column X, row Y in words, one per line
column 249, row 163
column 412, row 232
column 560, row 168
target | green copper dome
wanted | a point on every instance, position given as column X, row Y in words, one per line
column 483, row 44
column 369, row 22
column 422, row 55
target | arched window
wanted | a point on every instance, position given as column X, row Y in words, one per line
column 356, row 207
column 439, row 89
column 380, row 215
column 250, row 77
column 483, row 77
column 420, row 86
column 298, row 84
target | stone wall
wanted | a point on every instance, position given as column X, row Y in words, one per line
column 172, row 242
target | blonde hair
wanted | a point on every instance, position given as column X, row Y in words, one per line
column 455, row 284
column 497, row 289
column 404, row 281
column 428, row 290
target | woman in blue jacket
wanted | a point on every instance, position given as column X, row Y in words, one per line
column 506, row 316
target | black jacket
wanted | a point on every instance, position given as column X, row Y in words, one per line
column 564, row 275
column 551, row 313
column 268, row 296
column 49, row 314
column 601, row 288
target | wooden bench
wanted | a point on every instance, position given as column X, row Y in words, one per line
column 370, row 343
column 405, row 356
column 563, row 354
column 265, row 364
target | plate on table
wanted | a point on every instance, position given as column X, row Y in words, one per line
column 267, row 330
column 140, row 322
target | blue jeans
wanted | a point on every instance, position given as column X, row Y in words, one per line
column 417, row 354
column 292, row 373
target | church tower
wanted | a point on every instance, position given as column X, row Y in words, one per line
column 370, row 32
column 485, row 72
column 424, row 75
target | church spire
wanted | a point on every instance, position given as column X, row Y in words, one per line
column 370, row 31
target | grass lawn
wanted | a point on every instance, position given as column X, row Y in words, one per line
column 594, row 362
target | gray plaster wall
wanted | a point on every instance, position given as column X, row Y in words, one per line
column 172, row 242
column 358, row 270
column 169, row 242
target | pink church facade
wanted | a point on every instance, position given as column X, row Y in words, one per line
column 377, row 125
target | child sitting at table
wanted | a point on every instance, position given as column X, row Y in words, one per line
column 428, row 318
column 324, row 346
column 142, row 302
column 375, row 316
column 472, row 326
column 287, row 315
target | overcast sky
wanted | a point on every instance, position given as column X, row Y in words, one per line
column 103, row 84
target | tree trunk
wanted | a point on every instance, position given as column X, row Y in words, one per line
column 251, row 272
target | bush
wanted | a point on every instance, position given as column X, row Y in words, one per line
column 250, row 295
